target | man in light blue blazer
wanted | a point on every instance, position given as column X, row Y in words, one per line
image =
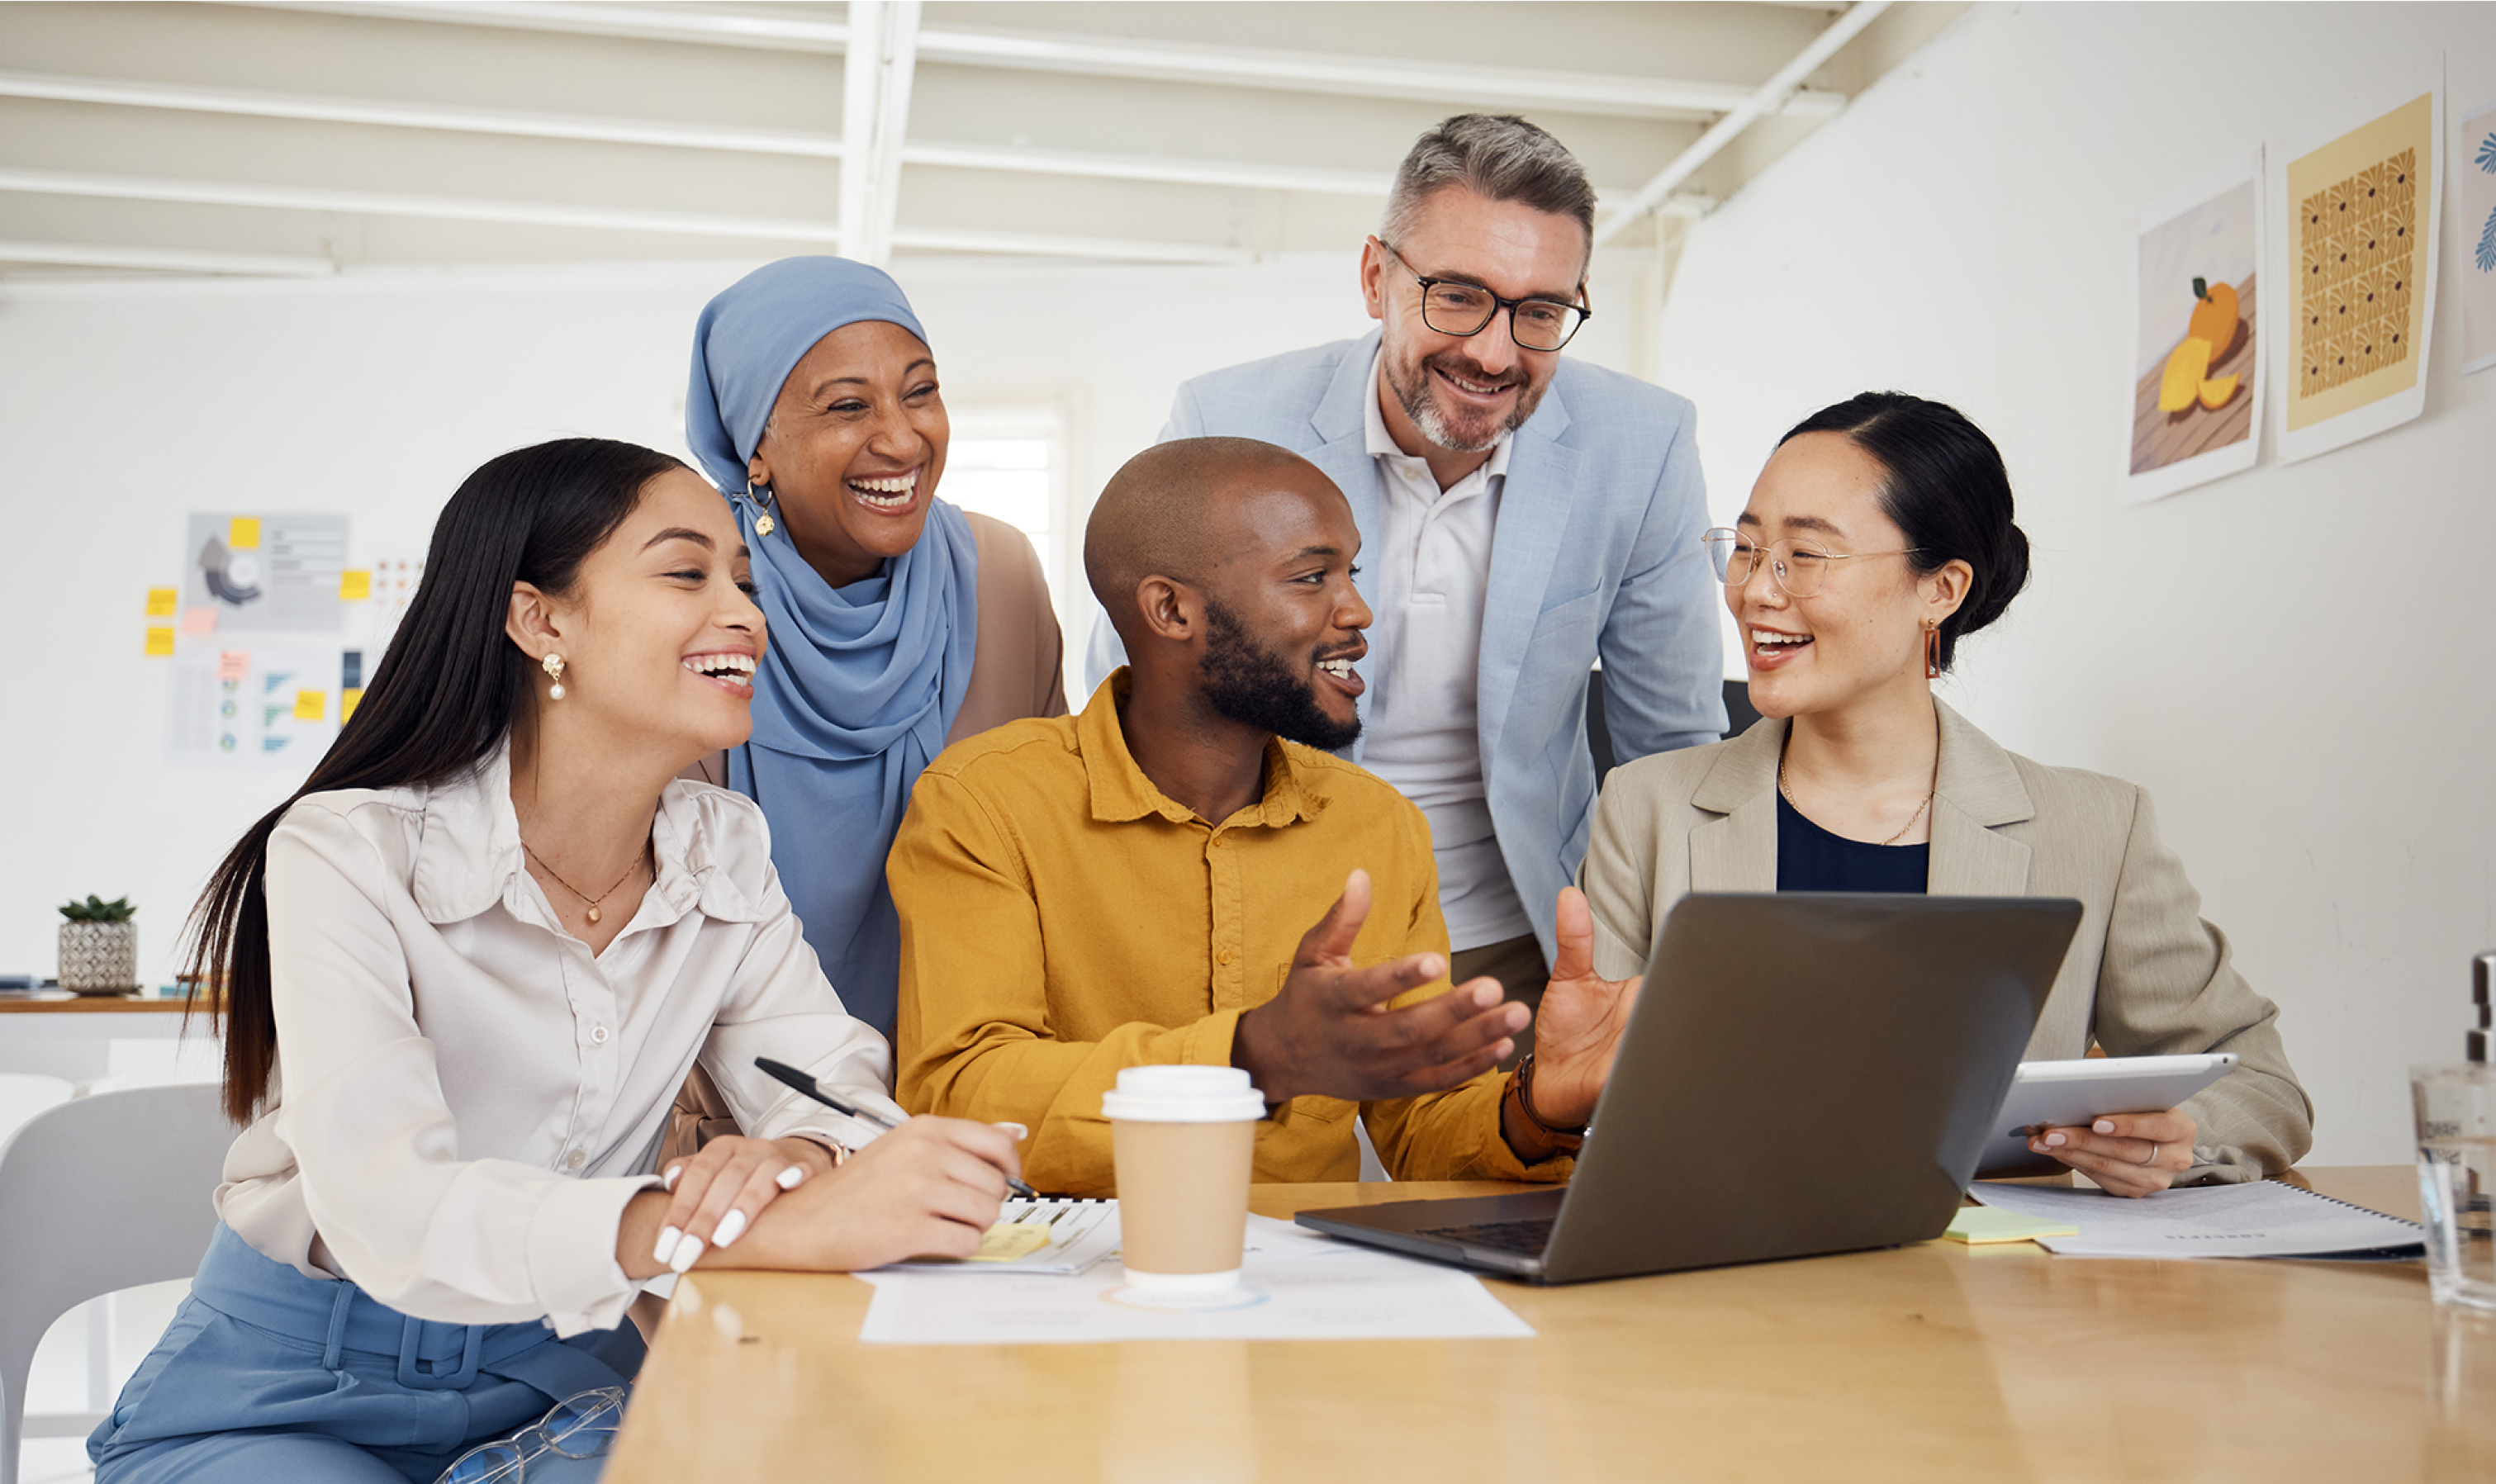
column 1521, row 514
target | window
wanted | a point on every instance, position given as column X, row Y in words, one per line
column 1010, row 462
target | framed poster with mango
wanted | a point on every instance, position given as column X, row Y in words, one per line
column 2195, row 386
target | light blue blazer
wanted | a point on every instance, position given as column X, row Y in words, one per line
column 1596, row 553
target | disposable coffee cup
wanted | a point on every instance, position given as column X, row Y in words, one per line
column 1184, row 1140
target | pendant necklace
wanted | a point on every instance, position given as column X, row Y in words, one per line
column 576, row 892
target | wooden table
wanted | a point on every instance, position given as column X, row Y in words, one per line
column 1936, row 1362
column 59, row 1015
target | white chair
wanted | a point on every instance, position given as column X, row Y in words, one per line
column 104, row 1193
column 25, row 1094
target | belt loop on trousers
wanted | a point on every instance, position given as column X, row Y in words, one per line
column 412, row 1373
column 340, row 1304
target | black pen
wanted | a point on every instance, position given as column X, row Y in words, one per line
column 806, row 1085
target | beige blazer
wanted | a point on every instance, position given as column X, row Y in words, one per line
column 2145, row 976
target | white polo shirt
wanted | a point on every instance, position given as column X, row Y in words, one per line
column 1431, row 573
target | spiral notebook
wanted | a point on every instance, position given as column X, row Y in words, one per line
column 2260, row 1219
column 1060, row 1237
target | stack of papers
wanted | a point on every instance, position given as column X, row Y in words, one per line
column 1296, row 1284
column 2262, row 1219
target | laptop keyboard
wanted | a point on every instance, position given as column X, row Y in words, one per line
column 1529, row 1237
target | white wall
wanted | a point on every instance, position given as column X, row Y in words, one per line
column 2296, row 661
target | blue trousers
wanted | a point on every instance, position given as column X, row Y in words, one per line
column 266, row 1377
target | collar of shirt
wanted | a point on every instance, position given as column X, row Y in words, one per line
column 468, row 852
column 1381, row 444
column 1120, row 790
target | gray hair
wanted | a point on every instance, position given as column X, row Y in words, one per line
column 1499, row 157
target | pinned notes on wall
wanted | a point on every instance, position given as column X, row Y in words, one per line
column 160, row 602
column 242, row 532
column 273, row 575
column 354, row 584
column 160, row 640
column 200, row 620
column 348, row 701
column 251, row 708
column 311, row 705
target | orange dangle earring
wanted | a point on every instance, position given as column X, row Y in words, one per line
column 1932, row 649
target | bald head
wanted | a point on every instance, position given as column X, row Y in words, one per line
column 1183, row 510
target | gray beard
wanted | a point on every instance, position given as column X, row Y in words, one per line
column 1425, row 414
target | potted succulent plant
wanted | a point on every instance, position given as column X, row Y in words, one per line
column 98, row 948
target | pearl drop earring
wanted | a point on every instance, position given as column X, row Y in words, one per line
column 553, row 664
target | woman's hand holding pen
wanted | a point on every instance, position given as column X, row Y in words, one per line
column 927, row 1188
column 716, row 1194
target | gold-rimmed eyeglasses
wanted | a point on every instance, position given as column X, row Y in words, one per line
column 1798, row 568
column 1462, row 309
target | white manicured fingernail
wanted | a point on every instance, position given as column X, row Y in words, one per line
column 669, row 1181
column 731, row 1227
column 2103, row 1127
column 790, row 1178
column 1018, row 1132
column 669, row 1236
column 688, row 1253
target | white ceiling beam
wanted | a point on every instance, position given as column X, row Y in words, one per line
column 875, row 119
column 1360, row 77
column 1726, row 129
column 224, row 192
column 158, row 260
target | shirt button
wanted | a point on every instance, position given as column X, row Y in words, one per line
column 1223, row 957
column 575, row 1160
column 597, row 1035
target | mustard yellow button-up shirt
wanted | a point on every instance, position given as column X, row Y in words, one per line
column 1061, row 918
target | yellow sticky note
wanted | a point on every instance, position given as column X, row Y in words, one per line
column 242, row 532
column 355, row 585
column 160, row 640
column 311, row 705
column 1983, row 1225
column 162, row 601
column 348, row 699
column 1006, row 1241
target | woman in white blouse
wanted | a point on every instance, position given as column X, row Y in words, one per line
column 467, row 967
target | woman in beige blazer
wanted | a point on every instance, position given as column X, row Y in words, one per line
column 1878, row 535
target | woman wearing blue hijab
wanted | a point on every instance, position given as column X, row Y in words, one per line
column 898, row 623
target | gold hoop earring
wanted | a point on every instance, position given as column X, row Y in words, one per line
column 764, row 524
column 553, row 664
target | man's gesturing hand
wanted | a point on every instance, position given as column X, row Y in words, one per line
column 1582, row 1021
column 1329, row 1031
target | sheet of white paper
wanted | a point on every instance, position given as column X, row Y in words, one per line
column 2262, row 1219
column 1300, row 1285
column 1082, row 1232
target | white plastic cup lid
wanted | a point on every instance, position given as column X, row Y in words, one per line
column 1183, row 1095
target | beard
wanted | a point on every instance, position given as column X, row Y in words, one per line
column 1258, row 688
column 1462, row 434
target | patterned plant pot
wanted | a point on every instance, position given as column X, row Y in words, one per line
column 99, row 958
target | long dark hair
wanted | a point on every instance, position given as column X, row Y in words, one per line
column 1946, row 490
column 441, row 699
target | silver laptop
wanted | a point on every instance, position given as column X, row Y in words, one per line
column 1805, row 1074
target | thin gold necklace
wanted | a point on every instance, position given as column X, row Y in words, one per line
column 629, row 873
column 1797, row 808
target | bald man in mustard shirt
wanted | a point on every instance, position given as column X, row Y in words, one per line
column 1136, row 885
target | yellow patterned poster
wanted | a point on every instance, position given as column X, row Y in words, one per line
column 2363, row 214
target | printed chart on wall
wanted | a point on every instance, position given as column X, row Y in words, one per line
column 252, row 573
column 265, row 707
column 2196, row 392
column 2362, row 211
column 2477, row 171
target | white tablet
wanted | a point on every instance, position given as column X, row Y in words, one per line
column 2064, row 1094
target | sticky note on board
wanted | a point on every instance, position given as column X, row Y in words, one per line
column 355, row 585
column 233, row 663
column 1985, row 1225
column 311, row 705
column 160, row 640
column 348, row 701
column 1006, row 1241
column 242, row 532
column 162, row 601
column 200, row 619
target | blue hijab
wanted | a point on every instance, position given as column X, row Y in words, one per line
column 859, row 684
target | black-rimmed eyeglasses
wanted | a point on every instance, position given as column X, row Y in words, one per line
column 1462, row 309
